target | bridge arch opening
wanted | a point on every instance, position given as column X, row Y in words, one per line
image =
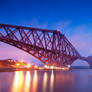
column 80, row 63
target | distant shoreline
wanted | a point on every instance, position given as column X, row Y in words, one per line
column 80, row 67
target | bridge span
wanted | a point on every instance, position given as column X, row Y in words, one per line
column 87, row 59
column 51, row 47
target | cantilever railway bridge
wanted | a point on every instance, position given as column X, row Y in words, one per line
column 49, row 46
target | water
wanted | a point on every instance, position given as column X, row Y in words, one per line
column 76, row 80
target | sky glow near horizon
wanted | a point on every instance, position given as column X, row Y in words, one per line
column 72, row 17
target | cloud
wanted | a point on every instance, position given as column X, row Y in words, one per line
column 34, row 23
column 79, row 35
column 61, row 25
column 82, row 39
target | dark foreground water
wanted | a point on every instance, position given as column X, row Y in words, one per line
column 76, row 80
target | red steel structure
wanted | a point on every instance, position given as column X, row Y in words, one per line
column 49, row 46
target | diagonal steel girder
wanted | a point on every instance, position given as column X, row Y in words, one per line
column 49, row 46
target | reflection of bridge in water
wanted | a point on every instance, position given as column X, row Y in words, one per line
column 49, row 46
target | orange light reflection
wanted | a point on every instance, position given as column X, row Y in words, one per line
column 35, row 81
column 45, row 81
column 52, row 81
column 27, row 82
column 18, row 82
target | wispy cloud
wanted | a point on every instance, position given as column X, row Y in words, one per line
column 34, row 23
column 61, row 25
column 80, row 36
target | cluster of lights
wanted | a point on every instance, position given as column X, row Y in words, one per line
column 20, row 64
column 53, row 67
column 49, row 67
column 28, row 65
column 45, row 67
column 17, row 64
column 35, row 66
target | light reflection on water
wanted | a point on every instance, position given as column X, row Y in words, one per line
column 46, row 81
column 18, row 82
column 52, row 81
column 22, row 83
column 27, row 82
column 35, row 82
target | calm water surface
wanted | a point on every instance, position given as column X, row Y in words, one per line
column 77, row 80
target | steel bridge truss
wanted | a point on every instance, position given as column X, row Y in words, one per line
column 49, row 46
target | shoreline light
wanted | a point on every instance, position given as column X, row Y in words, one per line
column 28, row 66
column 35, row 66
column 17, row 64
